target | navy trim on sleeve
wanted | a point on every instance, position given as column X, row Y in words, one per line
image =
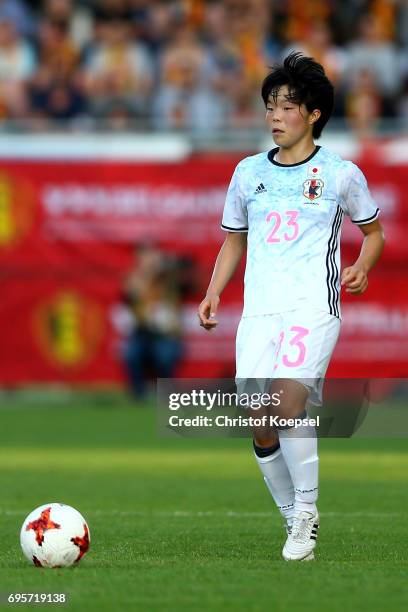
column 372, row 218
column 234, row 229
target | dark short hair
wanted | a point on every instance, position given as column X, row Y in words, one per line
column 307, row 84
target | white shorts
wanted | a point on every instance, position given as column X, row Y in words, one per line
column 295, row 344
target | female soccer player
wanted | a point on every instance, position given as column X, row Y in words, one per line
column 285, row 208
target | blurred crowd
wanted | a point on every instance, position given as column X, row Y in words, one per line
column 193, row 64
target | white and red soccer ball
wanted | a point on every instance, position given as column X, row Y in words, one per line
column 54, row 535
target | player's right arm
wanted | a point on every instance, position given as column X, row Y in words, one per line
column 226, row 263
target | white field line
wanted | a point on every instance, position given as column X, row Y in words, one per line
column 210, row 513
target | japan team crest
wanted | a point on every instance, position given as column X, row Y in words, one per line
column 312, row 188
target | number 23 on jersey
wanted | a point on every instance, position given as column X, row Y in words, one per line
column 283, row 227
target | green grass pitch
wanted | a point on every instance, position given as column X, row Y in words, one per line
column 187, row 525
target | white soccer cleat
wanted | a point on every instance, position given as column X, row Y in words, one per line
column 301, row 541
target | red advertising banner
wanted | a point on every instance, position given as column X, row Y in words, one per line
column 67, row 233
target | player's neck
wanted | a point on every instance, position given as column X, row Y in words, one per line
column 293, row 155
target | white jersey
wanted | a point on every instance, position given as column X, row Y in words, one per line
column 293, row 215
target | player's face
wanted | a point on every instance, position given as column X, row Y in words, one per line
column 288, row 122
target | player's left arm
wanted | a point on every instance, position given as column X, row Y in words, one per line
column 355, row 277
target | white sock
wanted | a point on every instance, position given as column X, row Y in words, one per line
column 277, row 479
column 299, row 449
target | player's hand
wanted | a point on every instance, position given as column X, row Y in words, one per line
column 354, row 279
column 207, row 312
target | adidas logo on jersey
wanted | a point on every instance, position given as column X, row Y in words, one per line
column 260, row 189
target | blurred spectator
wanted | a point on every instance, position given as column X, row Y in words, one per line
column 17, row 64
column 17, row 12
column 344, row 17
column 372, row 52
column 384, row 12
column 317, row 42
column 364, row 105
column 299, row 15
column 186, row 98
column 152, row 21
column 57, row 53
column 55, row 90
column 77, row 20
column 153, row 293
column 118, row 71
column 55, row 99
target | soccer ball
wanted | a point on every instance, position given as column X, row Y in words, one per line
column 54, row 535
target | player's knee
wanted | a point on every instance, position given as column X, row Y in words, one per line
column 264, row 441
column 293, row 398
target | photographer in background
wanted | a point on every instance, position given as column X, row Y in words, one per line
column 152, row 293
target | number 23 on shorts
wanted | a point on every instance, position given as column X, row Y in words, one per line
column 298, row 334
